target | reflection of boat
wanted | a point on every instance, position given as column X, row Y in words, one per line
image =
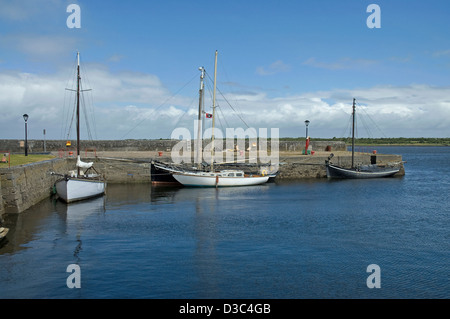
column 213, row 178
column 80, row 210
column 79, row 185
column 3, row 232
column 360, row 171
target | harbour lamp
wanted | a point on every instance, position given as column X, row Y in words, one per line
column 307, row 123
column 25, row 117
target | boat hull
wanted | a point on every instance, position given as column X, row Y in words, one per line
column 72, row 189
column 218, row 181
column 340, row 172
column 160, row 175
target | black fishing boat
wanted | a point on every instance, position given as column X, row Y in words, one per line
column 161, row 174
column 359, row 171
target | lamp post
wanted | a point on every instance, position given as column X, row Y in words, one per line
column 25, row 117
column 307, row 140
column 307, row 123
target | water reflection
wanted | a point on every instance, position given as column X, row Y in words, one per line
column 48, row 215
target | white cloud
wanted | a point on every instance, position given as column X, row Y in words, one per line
column 441, row 53
column 116, row 58
column 26, row 10
column 343, row 63
column 276, row 67
column 39, row 45
column 138, row 105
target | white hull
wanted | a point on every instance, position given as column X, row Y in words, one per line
column 74, row 189
column 204, row 180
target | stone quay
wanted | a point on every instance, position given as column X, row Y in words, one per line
column 128, row 161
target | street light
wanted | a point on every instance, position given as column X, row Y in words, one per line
column 25, row 117
column 307, row 123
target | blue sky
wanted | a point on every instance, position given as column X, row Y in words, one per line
column 279, row 63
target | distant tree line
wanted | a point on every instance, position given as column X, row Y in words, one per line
column 382, row 140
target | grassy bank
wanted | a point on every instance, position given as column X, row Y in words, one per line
column 21, row 159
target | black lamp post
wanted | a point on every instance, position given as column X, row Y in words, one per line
column 25, row 117
column 307, row 123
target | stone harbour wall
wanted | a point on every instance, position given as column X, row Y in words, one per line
column 25, row 185
column 37, row 146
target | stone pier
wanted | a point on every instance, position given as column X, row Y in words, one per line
column 24, row 186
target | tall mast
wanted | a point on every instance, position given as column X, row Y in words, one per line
column 213, row 114
column 353, row 135
column 200, row 117
column 78, row 108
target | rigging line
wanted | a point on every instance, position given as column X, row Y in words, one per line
column 89, row 106
column 226, row 122
column 223, row 68
column 238, row 115
column 182, row 115
column 366, row 126
column 169, row 98
column 73, row 116
column 219, row 118
column 67, row 98
column 344, row 132
column 87, row 122
column 372, row 120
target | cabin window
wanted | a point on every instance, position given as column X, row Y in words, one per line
column 230, row 174
column 238, row 174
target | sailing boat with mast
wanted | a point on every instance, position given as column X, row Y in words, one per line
column 360, row 171
column 213, row 178
column 79, row 185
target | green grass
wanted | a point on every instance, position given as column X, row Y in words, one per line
column 21, row 159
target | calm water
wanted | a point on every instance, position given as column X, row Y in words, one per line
column 303, row 239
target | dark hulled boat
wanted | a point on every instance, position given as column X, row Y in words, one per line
column 360, row 171
column 161, row 174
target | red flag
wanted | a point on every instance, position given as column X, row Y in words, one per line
column 208, row 115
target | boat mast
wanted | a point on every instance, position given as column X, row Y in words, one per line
column 78, row 109
column 200, row 112
column 353, row 135
column 213, row 114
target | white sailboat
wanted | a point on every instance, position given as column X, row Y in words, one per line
column 79, row 184
column 213, row 178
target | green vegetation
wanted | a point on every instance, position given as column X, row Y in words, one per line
column 416, row 141
column 21, row 159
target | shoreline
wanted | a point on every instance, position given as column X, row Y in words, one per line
column 406, row 144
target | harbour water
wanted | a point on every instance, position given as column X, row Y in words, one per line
column 285, row 240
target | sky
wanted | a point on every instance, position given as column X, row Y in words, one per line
column 279, row 63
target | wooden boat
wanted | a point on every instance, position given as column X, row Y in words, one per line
column 165, row 174
column 358, row 171
column 161, row 174
column 78, row 184
column 212, row 178
column 362, row 171
column 219, row 179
